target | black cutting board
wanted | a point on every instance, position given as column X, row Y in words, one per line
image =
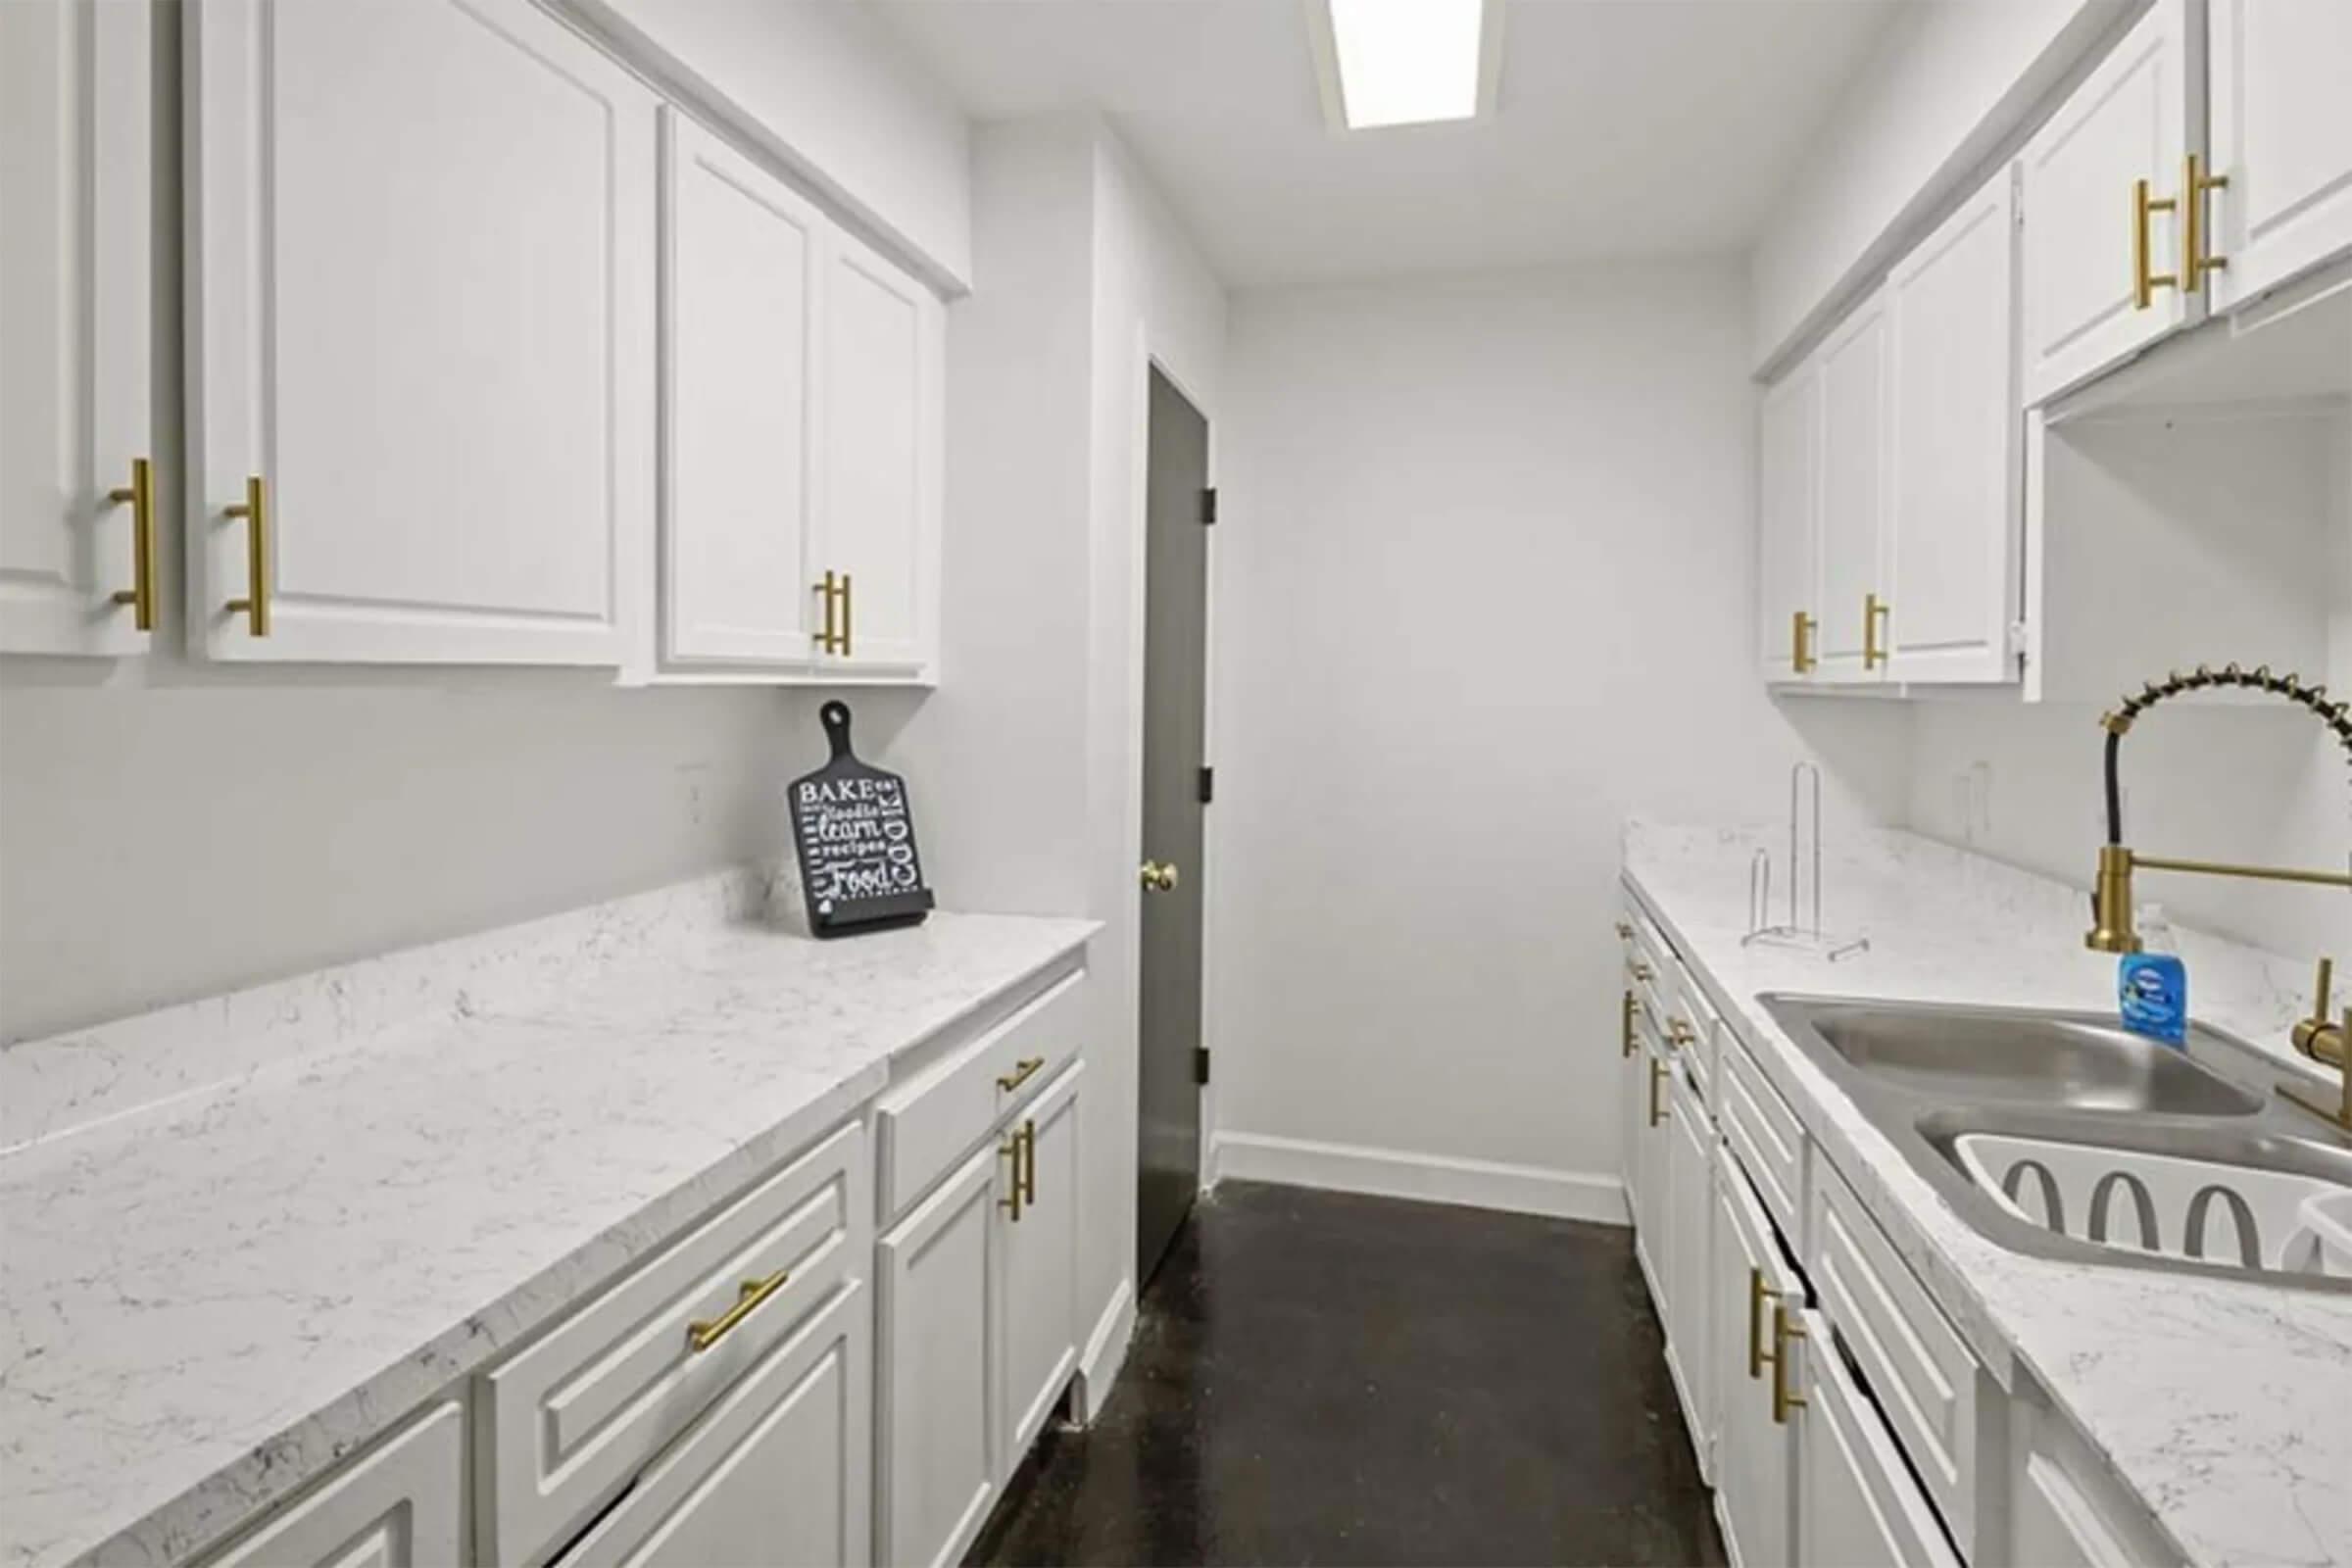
column 854, row 834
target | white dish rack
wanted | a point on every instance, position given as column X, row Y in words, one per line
column 2200, row 1210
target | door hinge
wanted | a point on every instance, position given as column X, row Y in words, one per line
column 1209, row 506
column 1208, row 785
column 1200, row 1065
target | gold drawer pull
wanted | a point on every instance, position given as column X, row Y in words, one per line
column 139, row 494
column 1625, row 933
column 1679, row 1031
column 255, row 510
column 1642, row 971
column 701, row 1335
column 1784, row 1397
column 1022, row 1071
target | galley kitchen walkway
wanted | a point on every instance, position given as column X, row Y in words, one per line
column 1322, row 1378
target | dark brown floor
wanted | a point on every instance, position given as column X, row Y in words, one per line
column 1321, row 1378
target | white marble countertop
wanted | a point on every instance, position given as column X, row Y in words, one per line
column 2226, row 1406
column 211, row 1290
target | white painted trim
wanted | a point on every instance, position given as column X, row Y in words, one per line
column 1105, row 1354
column 1431, row 1178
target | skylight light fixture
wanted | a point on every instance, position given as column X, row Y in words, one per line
column 1407, row 62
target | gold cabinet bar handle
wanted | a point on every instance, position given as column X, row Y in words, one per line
column 1657, row 1076
column 1784, row 1397
column 848, row 604
column 2145, row 283
column 255, row 510
column 1876, row 612
column 1625, row 933
column 701, row 1335
column 1011, row 1149
column 1680, row 1032
column 140, row 495
column 2194, row 237
column 825, row 591
column 1801, row 627
column 1757, row 1355
column 1023, row 1070
column 1642, row 971
column 1029, row 1162
column 1633, row 1004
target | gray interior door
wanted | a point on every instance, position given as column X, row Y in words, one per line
column 1175, row 741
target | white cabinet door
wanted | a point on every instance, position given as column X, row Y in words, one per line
column 1854, row 375
column 2281, row 135
column 2134, row 118
column 884, row 343
column 743, row 256
column 1755, row 1455
column 1039, row 1249
column 937, row 1370
column 399, row 1506
column 1789, row 512
column 1690, row 1335
column 1957, row 511
column 775, row 1472
column 74, row 247
column 421, row 304
column 1856, row 1504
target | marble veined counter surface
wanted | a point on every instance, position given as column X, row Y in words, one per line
column 210, row 1291
column 2226, row 1406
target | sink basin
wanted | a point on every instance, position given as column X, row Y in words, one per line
column 2064, row 1136
column 2005, row 1058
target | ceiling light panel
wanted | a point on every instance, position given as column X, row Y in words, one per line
column 1406, row 62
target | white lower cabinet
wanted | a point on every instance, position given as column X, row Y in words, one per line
column 1856, row 1503
column 1691, row 1263
column 1755, row 1449
column 398, row 1507
column 937, row 1391
column 979, row 1316
column 775, row 1472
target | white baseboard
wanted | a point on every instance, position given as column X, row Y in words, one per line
column 1105, row 1353
column 1432, row 1178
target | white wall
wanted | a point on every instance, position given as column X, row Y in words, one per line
column 2255, row 781
column 1943, row 89
column 844, row 104
column 1484, row 588
column 1025, row 762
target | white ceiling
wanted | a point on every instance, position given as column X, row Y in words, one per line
column 1624, row 128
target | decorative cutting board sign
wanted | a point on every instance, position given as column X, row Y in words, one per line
column 854, row 837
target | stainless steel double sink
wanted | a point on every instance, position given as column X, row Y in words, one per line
column 1946, row 1082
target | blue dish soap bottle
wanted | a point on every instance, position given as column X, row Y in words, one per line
column 2152, row 985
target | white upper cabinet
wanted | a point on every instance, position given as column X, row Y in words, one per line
column 2281, row 135
column 1854, row 365
column 2101, row 191
column 422, row 244
column 885, row 337
column 1955, row 436
column 74, row 247
column 1788, row 561
column 743, row 256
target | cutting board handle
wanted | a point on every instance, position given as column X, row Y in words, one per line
column 835, row 715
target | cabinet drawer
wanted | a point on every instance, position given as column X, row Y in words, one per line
column 1700, row 1026
column 775, row 1471
column 396, row 1507
column 1767, row 1137
column 1914, row 1361
column 572, row 1420
column 925, row 1126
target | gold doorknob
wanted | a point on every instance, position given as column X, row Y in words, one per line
column 1158, row 876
